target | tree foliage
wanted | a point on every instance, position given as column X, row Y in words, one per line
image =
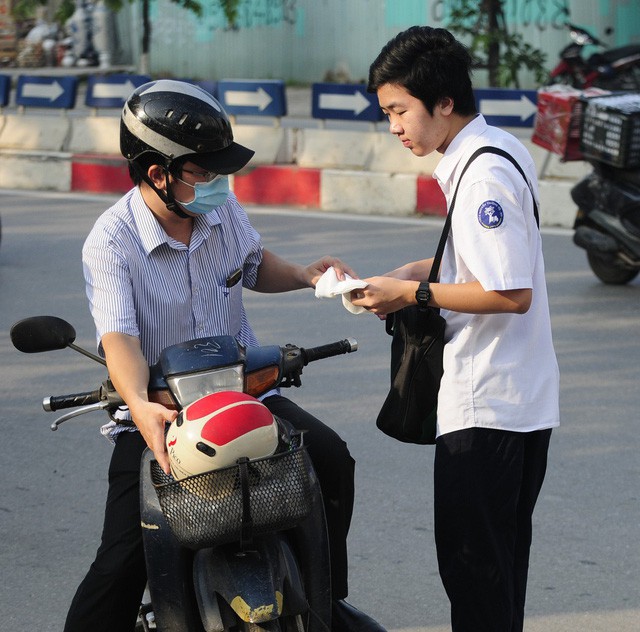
column 502, row 53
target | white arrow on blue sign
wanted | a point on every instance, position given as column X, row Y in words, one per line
column 263, row 97
column 46, row 92
column 344, row 101
column 507, row 108
column 111, row 91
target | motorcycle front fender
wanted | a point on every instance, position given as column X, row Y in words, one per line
column 259, row 585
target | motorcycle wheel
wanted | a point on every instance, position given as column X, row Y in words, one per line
column 610, row 272
column 286, row 624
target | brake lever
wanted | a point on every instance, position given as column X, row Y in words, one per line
column 79, row 411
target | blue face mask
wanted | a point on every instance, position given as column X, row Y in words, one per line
column 207, row 195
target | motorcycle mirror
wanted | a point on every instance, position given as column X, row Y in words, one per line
column 42, row 333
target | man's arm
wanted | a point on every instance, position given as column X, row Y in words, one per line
column 129, row 373
column 276, row 274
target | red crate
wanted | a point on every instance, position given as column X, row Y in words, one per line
column 557, row 123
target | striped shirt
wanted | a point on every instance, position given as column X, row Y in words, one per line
column 143, row 283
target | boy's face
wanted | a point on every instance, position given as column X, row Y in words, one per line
column 411, row 122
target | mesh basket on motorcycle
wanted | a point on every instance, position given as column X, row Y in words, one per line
column 236, row 502
column 227, row 482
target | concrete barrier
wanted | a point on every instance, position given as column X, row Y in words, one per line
column 49, row 171
column 267, row 142
column 370, row 193
column 364, row 171
column 95, row 135
column 33, row 133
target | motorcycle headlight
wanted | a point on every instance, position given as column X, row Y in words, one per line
column 190, row 387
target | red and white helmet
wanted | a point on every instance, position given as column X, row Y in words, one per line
column 218, row 429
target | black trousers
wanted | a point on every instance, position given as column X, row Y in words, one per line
column 108, row 598
column 486, row 486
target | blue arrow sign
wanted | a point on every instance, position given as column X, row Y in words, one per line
column 265, row 98
column 111, row 91
column 47, row 92
column 344, row 101
column 5, row 87
column 507, row 108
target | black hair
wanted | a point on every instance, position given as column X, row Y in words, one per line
column 430, row 64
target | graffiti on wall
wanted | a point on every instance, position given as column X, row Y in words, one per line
column 543, row 14
column 251, row 14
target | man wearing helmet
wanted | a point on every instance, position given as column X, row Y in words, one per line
column 165, row 264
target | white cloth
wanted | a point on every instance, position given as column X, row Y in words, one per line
column 329, row 286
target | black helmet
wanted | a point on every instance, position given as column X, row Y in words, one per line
column 176, row 119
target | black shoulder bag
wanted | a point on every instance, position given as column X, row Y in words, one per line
column 409, row 410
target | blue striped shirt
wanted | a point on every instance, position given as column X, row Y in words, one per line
column 143, row 283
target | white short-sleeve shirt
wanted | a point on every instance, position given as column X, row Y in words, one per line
column 500, row 370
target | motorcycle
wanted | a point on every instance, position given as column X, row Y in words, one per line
column 611, row 69
column 241, row 548
column 607, row 223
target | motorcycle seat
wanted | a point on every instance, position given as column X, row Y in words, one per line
column 613, row 55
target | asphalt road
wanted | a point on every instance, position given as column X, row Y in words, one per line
column 586, row 555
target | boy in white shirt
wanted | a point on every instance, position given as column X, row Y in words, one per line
column 498, row 399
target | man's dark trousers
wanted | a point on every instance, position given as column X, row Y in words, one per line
column 486, row 486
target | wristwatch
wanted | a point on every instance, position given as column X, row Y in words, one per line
column 423, row 295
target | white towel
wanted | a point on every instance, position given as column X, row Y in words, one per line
column 328, row 286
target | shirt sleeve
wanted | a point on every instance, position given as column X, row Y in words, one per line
column 491, row 235
column 108, row 284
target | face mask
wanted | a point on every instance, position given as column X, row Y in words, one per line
column 207, row 195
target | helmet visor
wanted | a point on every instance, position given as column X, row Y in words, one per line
column 224, row 161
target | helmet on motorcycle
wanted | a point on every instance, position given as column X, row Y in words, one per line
column 174, row 120
column 218, row 429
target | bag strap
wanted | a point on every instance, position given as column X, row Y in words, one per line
column 435, row 268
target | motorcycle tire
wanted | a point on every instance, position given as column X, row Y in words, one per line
column 611, row 272
column 285, row 624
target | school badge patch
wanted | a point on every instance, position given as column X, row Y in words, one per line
column 490, row 214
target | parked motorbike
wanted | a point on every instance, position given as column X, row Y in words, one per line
column 610, row 69
column 607, row 224
column 242, row 548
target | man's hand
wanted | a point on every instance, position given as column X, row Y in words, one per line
column 315, row 270
column 151, row 420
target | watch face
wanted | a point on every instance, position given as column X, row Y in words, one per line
column 423, row 295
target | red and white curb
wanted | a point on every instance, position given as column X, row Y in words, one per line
column 290, row 185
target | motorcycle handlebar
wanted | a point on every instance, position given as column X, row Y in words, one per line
column 293, row 363
column 58, row 402
column 348, row 345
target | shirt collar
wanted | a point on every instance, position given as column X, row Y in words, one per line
column 151, row 232
column 457, row 149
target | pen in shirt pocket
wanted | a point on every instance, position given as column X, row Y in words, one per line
column 234, row 277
